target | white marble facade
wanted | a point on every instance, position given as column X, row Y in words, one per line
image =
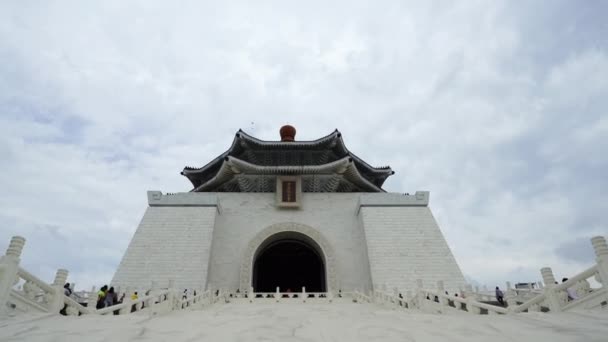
column 366, row 240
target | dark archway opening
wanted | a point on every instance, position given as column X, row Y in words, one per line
column 289, row 263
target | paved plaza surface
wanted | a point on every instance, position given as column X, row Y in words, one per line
column 309, row 322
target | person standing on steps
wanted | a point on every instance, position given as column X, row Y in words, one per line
column 500, row 296
column 67, row 291
column 111, row 297
column 572, row 295
column 101, row 297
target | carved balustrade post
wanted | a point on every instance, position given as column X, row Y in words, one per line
column 127, row 299
column 552, row 297
column 152, row 292
column 57, row 301
column 510, row 295
column 441, row 291
column 601, row 252
column 9, row 268
column 408, row 298
column 92, row 300
column 172, row 296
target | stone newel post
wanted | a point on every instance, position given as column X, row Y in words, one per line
column 441, row 290
column 601, row 252
column 92, row 299
column 9, row 267
column 552, row 298
column 60, row 278
column 172, row 297
column 127, row 299
column 510, row 294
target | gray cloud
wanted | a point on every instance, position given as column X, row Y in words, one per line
column 578, row 250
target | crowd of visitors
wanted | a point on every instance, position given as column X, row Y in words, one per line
column 107, row 297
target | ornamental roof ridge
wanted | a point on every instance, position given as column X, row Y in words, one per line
column 278, row 143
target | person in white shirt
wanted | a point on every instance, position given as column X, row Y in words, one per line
column 571, row 291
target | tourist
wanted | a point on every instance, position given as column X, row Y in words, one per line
column 101, row 297
column 67, row 291
column 111, row 297
column 134, row 298
column 500, row 296
column 570, row 291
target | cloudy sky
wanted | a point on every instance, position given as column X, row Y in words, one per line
column 498, row 108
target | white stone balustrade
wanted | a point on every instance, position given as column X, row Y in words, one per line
column 9, row 266
column 50, row 298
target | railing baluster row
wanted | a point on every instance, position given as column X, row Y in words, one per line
column 574, row 293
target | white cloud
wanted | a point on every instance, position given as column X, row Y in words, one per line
column 499, row 111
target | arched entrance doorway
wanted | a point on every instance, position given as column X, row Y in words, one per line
column 289, row 260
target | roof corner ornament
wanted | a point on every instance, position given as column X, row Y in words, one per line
column 288, row 133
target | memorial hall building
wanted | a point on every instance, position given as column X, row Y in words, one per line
column 288, row 214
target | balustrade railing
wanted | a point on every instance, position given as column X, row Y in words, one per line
column 25, row 292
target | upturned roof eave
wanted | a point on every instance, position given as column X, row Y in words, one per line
column 240, row 134
column 336, row 134
column 232, row 166
column 379, row 174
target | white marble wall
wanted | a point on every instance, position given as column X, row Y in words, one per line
column 202, row 239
